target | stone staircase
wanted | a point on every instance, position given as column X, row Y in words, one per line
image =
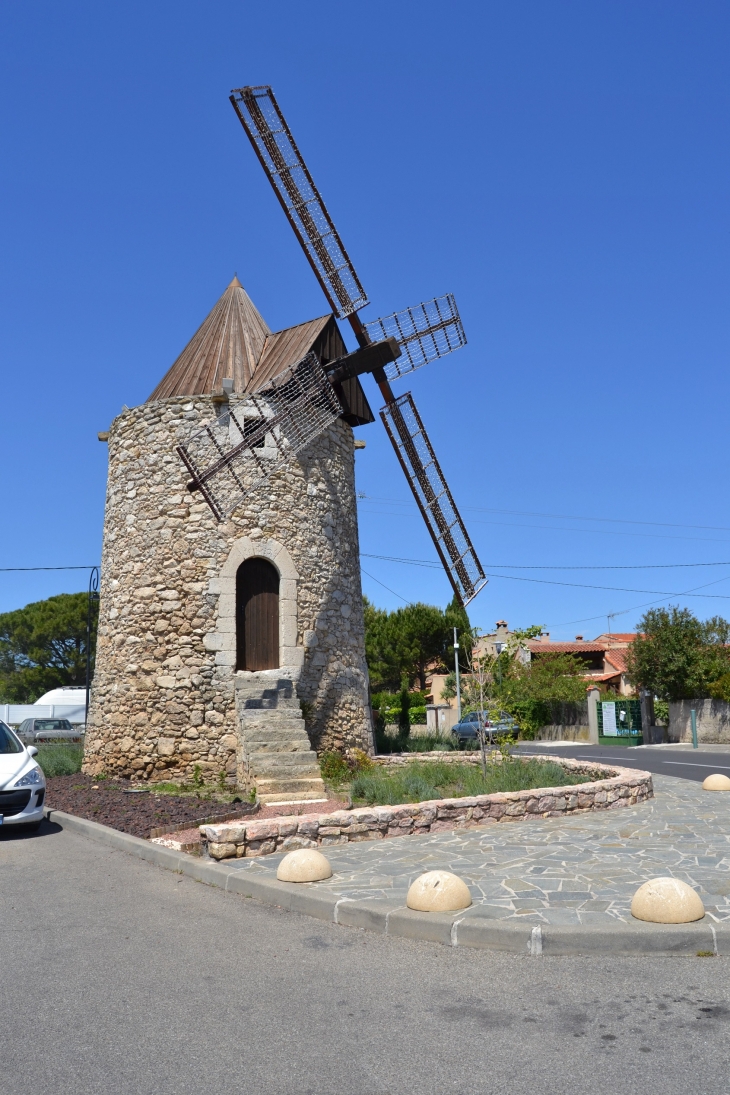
column 278, row 756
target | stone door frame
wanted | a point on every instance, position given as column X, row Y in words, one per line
column 223, row 639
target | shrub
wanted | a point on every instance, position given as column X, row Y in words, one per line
column 334, row 768
column 420, row 781
column 661, row 711
column 63, row 759
column 338, row 769
column 719, row 689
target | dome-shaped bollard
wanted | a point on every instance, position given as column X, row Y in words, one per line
column 438, row 891
column 716, row 782
column 667, row 901
column 304, row 865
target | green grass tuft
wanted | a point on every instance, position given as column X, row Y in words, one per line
column 420, row 781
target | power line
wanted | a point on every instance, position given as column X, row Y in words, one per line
column 7, row 570
column 611, row 589
column 559, row 516
column 635, row 608
column 525, row 566
column 387, row 587
column 553, row 528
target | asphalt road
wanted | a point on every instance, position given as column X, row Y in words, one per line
column 119, row 977
column 684, row 763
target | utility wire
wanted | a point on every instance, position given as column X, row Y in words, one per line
column 525, row 566
column 405, row 602
column 611, row 589
column 558, row 516
column 633, row 608
column 7, row 570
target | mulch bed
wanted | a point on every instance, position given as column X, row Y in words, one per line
column 105, row 801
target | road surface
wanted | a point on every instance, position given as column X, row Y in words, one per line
column 124, row 979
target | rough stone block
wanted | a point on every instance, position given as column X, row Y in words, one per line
column 222, row 851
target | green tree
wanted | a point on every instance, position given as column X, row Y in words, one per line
column 43, row 646
column 409, row 642
column 456, row 616
column 676, row 656
column 532, row 689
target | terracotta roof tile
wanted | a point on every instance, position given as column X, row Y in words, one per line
column 617, row 658
column 565, row 648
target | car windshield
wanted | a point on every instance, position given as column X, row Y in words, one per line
column 8, row 741
column 44, row 725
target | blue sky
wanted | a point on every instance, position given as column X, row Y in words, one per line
column 562, row 168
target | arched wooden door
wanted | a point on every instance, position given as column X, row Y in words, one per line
column 257, row 615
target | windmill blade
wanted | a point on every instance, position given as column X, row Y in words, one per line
column 418, row 460
column 280, row 158
column 424, row 333
column 234, row 455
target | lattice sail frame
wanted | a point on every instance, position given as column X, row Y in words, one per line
column 424, row 332
column 280, row 158
column 228, row 460
column 418, row 460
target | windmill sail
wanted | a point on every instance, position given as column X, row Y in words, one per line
column 231, row 457
column 424, row 333
column 418, row 460
column 280, row 158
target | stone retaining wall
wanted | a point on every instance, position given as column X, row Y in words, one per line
column 623, row 787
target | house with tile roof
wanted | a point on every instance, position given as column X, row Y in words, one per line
column 603, row 658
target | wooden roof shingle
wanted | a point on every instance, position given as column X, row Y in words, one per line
column 228, row 343
column 235, row 342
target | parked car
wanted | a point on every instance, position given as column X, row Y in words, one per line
column 22, row 783
column 467, row 731
column 48, row 730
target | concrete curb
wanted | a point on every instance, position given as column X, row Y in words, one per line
column 463, row 929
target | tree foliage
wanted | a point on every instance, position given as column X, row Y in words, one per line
column 402, row 646
column 43, row 646
column 527, row 690
column 676, row 656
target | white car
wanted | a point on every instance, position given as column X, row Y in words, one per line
column 22, row 783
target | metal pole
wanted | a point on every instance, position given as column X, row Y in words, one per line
column 458, row 678
column 93, row 596
column 693, row 717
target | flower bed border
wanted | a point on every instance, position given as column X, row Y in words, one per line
column 620, row 787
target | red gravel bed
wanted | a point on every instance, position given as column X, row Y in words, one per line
column 136, row 814
column 105, row 801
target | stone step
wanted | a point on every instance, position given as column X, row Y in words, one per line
column 278, row 745
column 301, row 756
column 271, row 769
column 270, row 729
column 261, row 731
column 261, row 703
column 267, row 790
column 293, row 797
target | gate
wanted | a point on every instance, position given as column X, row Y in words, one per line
column 619, row 719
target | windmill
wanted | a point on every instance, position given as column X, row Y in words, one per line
column 228, row 459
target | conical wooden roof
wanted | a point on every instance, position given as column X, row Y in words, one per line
column 227, row 344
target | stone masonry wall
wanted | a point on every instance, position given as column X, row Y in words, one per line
column 162, row 699
column 619, row 787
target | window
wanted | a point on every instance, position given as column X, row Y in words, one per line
column 8, row 741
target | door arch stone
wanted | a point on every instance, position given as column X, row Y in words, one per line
column 222, row 638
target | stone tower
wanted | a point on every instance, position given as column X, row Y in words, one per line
column 236, row 648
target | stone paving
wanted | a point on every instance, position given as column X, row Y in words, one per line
column 581, row 869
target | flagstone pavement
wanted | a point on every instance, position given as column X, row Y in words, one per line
column 581, row 869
